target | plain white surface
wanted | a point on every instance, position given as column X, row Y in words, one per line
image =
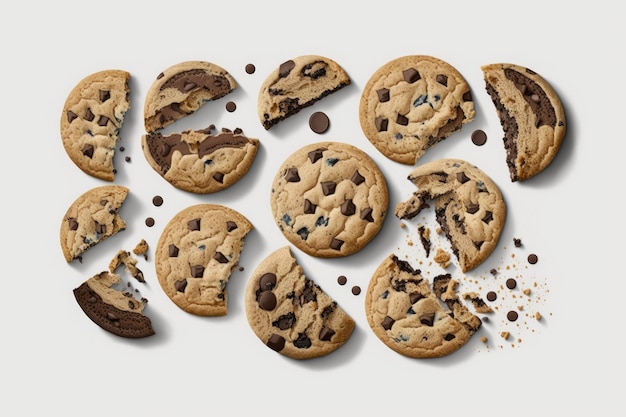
column 54, row 360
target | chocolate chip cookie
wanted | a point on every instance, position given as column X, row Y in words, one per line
column 290, row 313
column 296, row 84
column 411, row 103
column 469, row 207
column 92, row 117
column 531, row 115
column 412, row 318
column 200, row 161
column 182, row 89
column 329, row 199
column 195, row 255
column 91, row 218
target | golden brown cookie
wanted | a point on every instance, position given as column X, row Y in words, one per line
column 195, row 255
column 531, row 115
column 290, row 313
column 92, row 117
column 411, row 103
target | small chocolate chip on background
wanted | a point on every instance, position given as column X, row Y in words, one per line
column 356, row 290
column 231, row 106
column 250, row 68
column 341, row 279
column 318, row 122
column 157, row 200
column 532, row 259
column 479, row 137
column 149, row 222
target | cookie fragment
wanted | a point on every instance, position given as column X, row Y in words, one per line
column 123, row 257
column 141, row 249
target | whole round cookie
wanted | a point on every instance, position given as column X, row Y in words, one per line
column 411, row 103
column 329, row 199
column 296, row 84
column 182, row 89
column 468, row 205
column 411, row 318
column 196, row 254
column 290, row 313
column 91, row 218
column 92, row 117
column 531, row 115
column 200, row 161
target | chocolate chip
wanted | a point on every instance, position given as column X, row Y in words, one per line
column 493, row 271
column 461, row 177
column 356, row 290
column 103, row 121
column 71, row 116
column 511, row 283
column 89, row 116
column 193, row 224
column 336, row 244
column 342, row 280
column 276, row 342
column 157, row 200
column 104, row 95
column 383, row 95
column 348, row 208
column 302, row 341
column 427, row 319
column 101, row 228
column 318, row 122
column 285, row 68
column 366, row 214
column 219, row 177
column 517, row 242
column 127, row 159
column 472, row 208
column 197, row 271
column 512, row 315
column 411, row 75
column 492, row 296
column 267, row 300
column 328, row 187
column 72, row 223
column 292, row 175
column 449, row 337
column 219, row 257
column 180, row 285
column 326, row 334
column 149, row 221
column 267, row 281
column 172, row 251
column 479, row 137
column 381, row 124
column 231, row 225
column 286, row 321
column 488, row 217
column 309, row 208
column 387, row 322
column 250, row 68
column 532, row 259
column 414, row 297
column 402, row 120
column 88, row 150
column 231, row 106
column 357, row 178
column 315, row 155
column 442, row 79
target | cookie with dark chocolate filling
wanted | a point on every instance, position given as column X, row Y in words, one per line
column 469, row 207
column 531, row 115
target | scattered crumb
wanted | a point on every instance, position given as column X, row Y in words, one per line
column 442, row 258
column 483, row 339
column 479, row 304
column 538, row 315
column 526, row 291
column 505, row 335
column 141, row 249
column 124, row 258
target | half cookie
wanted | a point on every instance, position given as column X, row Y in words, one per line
column 182, row 89
column 113, row 310
column 200, row 161
column 196, row 253
column 411, row 103
column 92, row 117
column 91, row 218
column 531, row 115
column 329, row 199
column 469, row 207
column 291, row 314
column 411, row 318
column 296, row 84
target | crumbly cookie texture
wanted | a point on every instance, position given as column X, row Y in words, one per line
column 296, row 84
column 411, row 103
column 469, row 207
column 531, row 115
column 91, row 120
column 182, row 89
column 91, row 218
column 413, row 319
column 329, row 199
column 200, row 161
column 115, row 311
column 290, row 313
column 123, row 257
column 196, row 254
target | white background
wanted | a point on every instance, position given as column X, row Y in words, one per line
column 55, row 360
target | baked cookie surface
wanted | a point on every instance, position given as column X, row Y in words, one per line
column 469, row 207
column 531, row 115
column 296, row 84
column 290, row 313
column 411, row 103
column 411, row 317
column 91, row 218
column 329, row 199
column 200, row 161
column 92, row 117
column 196, row 254
column 182, row 89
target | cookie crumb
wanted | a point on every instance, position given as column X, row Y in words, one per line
column 442, row 258
column 538, row 315
column 505, row 335
column 424, row 234
column 141, row 249
column 484, row 339
column 526, row 291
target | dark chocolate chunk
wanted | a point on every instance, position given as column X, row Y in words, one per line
column 309, row 208
column 219, row 257
column 328, row 187
column 72, row 223
column 149, row 221
column 104, row 95
column 285, row 68
column 267, row 281
column 103, row 121
column 381, row 124
column 517, row 242
column 219, row 177
column 292, row 175
column 180, row 285
column 276, row 342
column 383, row 95
column 250, row 68
column 342, row 280
column 71, row 116
column 88, row 150
column 411, row 75
column 402, row 120
column 302, row 341
column 326, row 334
column 267, row 300
column 348, row 208
column 172, row 251
column 197, row 271
column 488, row 217
column 512, row 315
column 193, row 224
column 336, row 244
column 427, row 319
column 318, row 122
column 231, row 225
column 472, row 208
column 442, row 79
column 387, row 322
column 532, row 258
column 414, row 297
column 479, row 137
column 357, row 178
column 461, row 177
column 315, row 155
column 89, row 116
column 449, row 337
column 366, row 214
column 303, row 232
column 285, row 322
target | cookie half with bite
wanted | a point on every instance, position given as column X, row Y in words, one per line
column 92, row 117
column 296, row 84
column 91, row 218
column 469, row 207
column 411, row 317
column 196, row 254
column 411, row 103
column 290, row 313
column 182, row 89
column 531, row 115
column 200, row 161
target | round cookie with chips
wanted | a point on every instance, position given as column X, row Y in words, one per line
column 196, row 254
column 411, row 103
column 329, row 199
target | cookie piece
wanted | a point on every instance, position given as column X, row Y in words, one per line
column 531, row 115
column 182, row 89
column 469, row 207
column 410, row 318
column 123, row 257
column 296, row 84
column 200, row 161
column 195, row 255
column 290, row 313
column 92, row 117
column 329, row 199
column 91, row 218
column 411, row 103
column 115, row 311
